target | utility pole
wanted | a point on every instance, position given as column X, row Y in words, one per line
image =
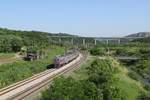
column 59, row 40
column 83, row 41
column 107, row 41
column 118, row 41
column 95, row 42
column 72, row 41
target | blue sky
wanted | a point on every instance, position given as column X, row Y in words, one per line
column 80, row 17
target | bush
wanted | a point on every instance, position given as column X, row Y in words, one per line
column 10, row 43
column 32, row 49
column 99, row 85
column 97, row 51
column 147, row 87
column 70, row 89
column 126, row 52
column 144, row 96
column 133, row 75
column 101, row 74
column 142, row 68
column 145, row 53
column 144, row 50
column 17, row 71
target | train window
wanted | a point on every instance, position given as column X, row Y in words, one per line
column 57, row 59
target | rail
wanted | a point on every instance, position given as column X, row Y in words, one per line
column 36, row 82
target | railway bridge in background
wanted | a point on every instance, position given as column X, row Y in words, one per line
column 116, row 40
column 93, row 40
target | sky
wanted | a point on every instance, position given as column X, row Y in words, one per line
column 97, row 18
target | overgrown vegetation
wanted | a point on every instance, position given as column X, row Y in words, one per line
column 100, row 85
column 140, row 66
column 11, row 73
column 138, row 69
column 108, row 80
column 6, row 55
column 102, row 79
column 126, row 52
column 98, row 51
column 12, row 41
column 143, row 40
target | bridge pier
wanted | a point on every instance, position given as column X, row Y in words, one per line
column 59, row 40
column 107, row 42
column 118, row 41
column 72, row 41
column 95, row 42
column 83, row 41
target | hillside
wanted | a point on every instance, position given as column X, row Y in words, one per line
column 5, row 31
column 140, row 34
column 143, row 40
column 13, row 40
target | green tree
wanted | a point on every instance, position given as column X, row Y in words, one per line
column 97, row 51
column 70, row 89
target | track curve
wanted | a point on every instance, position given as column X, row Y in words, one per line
column 20, row 90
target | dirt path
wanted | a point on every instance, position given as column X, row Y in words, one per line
column 11, row 59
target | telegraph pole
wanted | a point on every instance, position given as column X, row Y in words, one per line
column 72, row 41
column 107, row 42
column 95, row 42
column 83, row 41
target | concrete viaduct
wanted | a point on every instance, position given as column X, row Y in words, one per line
column 105, row 40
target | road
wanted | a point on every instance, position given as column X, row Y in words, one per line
column 23, row 89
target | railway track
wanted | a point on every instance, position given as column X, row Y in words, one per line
column 20, row 90
column 21, row 83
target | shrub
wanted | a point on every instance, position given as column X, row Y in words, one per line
column 70, row 89
column 99, row 86
column 147, row 87
column 97, row 51
column 144, row 96
column 133, row 75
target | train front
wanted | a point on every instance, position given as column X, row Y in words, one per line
column 58, row 61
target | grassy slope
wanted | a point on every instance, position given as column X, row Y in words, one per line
column 17, row 71
column 130, row 87
column 6, row 55
column 6, row 58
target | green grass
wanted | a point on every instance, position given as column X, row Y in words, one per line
column 131, row 88
column 6, row 55
column 128, row 86
column 17, row 71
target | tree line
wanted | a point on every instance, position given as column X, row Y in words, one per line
column 13, row 41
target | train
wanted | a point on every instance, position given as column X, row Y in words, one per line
column 61, row 60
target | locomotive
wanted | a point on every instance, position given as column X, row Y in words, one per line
column 66, row 58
